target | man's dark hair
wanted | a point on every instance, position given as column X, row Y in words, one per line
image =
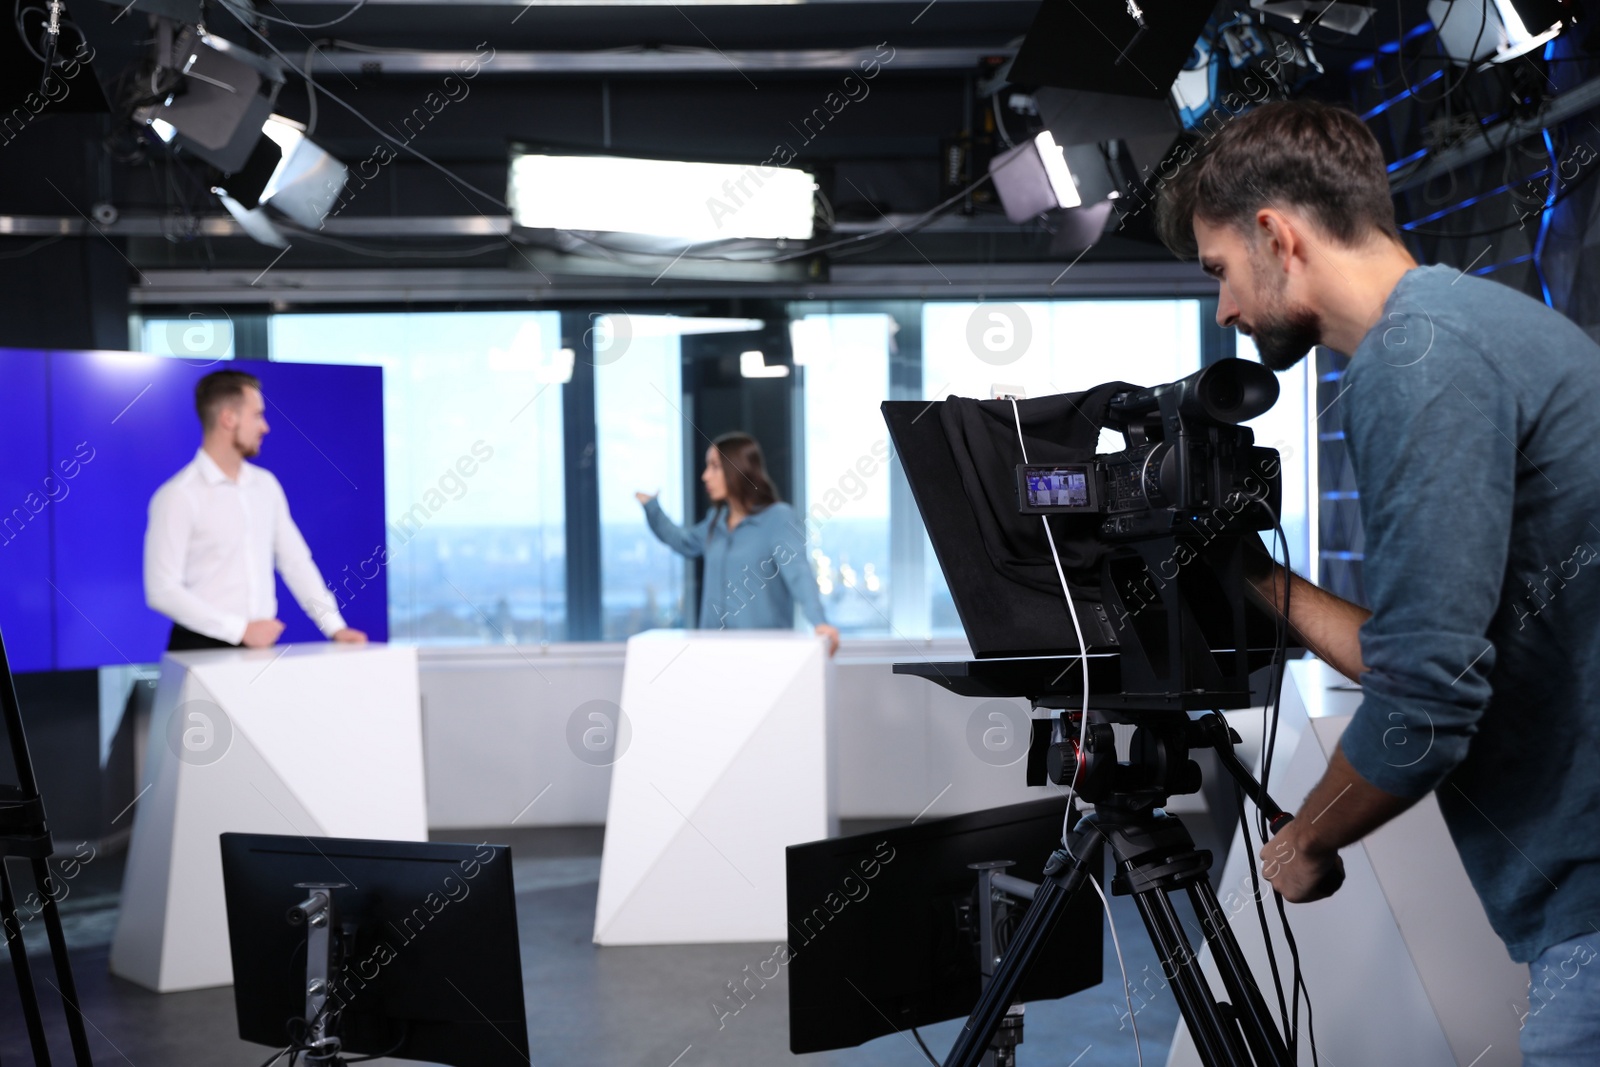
column 1300, row 153
column 218, row 389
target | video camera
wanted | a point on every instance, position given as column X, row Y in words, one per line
column 1188, row 468
column 1154, row 540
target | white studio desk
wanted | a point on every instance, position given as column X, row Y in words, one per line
column 727, row 762
column 319, row 740
column 1401, row 962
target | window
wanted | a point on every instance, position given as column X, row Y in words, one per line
column 1043, row 347
column 638, row 393
column 478, row 558
column 843, row 360
column 1056, row 347
column 482, row 558
column 195, row 338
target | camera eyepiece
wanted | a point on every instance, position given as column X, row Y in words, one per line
column 1229, row 391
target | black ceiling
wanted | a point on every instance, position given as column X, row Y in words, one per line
column 886, row 153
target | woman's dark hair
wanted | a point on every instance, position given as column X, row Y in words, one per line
column 744, row 471
column 1313, row 156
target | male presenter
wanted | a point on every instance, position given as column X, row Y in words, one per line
column 220, row 526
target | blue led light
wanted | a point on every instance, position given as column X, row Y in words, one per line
column 1544, row 217
column 1491, row 268
column 1469, row 201
column 1391, row 47
column 1412, row 158
column 1393, row 100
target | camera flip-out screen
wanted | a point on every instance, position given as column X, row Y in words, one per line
column 1059, row 488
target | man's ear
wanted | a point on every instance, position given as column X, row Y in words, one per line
column 1282, row 237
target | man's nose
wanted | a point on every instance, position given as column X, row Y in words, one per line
column 1227, row 310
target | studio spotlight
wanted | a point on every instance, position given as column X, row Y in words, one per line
column 1471, row 31
column 217, row 109
column 287, row 173
column 1339, row 16
column 1033, row 178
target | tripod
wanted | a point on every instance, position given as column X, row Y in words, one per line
column 24, row 835
column 1155, row 856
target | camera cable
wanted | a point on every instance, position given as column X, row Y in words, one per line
column 1270, row 716
column 1299, row 983
column 1288, row 1017
column 1083, row 731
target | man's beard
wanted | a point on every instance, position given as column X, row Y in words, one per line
column 248, row 451
column 1284, row 334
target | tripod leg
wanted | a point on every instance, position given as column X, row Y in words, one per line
column 58, row 951
column 1056, row 891
column 1255, row 1018
column 1214, row 1036
column 19, row 964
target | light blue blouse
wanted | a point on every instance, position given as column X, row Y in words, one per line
column 754, row 574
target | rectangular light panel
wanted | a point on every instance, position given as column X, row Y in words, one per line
column 663, row 198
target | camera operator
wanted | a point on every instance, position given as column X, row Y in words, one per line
column 1469, row 413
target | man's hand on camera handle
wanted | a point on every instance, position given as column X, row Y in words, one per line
column 1298, row 870
column 1302, row 859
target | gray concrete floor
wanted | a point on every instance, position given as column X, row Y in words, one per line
column 650, row 1007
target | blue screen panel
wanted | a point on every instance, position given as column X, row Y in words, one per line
column 326, row 448
column 29, row 491
column 135, row 415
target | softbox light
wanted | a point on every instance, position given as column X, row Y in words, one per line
column 217, row 111
column 663, row 198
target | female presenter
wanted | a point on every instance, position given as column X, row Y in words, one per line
column 753, row 544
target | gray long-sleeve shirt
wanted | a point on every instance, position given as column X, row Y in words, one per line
column 1472, row 419
column 754, row 575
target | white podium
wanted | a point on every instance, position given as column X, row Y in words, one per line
column 1401, row 962
column 727, row 764
column 319, row 740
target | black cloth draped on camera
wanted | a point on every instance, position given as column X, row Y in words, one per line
column 1063, row 428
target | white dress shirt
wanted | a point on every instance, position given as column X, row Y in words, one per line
column 211, row 546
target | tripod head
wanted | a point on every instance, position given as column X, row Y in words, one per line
column 1158, row 764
